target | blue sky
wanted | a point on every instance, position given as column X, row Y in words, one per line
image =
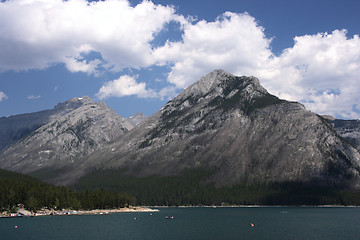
column 137, row 55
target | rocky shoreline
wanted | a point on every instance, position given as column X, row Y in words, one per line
column 68, row 212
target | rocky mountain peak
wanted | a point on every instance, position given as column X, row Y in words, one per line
column 222, row 91
column 14, row 128
column 219, row 81
column 85, row 99
column 207, row 83
column 73, row 103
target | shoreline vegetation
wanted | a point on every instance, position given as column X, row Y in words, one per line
column 28, row 195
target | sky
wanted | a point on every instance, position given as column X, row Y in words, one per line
column 138, row 55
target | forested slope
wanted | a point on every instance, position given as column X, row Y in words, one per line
column 34, row 194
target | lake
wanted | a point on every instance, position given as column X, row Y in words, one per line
column 194, row 223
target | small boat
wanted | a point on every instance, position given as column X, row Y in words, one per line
column 169, row 217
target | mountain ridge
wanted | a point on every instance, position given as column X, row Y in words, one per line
column 82, row 128
column 14, row 128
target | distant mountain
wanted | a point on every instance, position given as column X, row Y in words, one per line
column 14, row 128
column 136, row 119
column 348, row 129
column 233, row 129
column 70, row 131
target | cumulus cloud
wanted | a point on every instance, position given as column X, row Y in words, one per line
column 234, row 42
column 125, row 86
column 82, row 65
column 321, row 70
column 40, row 33
column 2, row 96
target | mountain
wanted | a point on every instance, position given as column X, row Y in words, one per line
column 71, row 130
column 15, row 128
column 136, row 119
column 232, row 129
column 223, row 139
column 348, row 129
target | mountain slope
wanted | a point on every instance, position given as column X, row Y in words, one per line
column 66, row 139
column 234, row 129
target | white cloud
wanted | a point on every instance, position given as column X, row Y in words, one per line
column 33, row 97
column 320, row 70
column 39, row 33
column 234, row 42
column 125, row 86
column 82, row 65
column 2, row 96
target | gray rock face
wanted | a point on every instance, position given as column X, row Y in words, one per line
column 234, row 128
column 79, row 127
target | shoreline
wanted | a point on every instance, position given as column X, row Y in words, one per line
column 149, row 209
column 118, row 210
column 70, row 212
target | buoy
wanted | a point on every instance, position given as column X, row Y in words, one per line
column 15, row 226
column 252, row 225
column 135, row 218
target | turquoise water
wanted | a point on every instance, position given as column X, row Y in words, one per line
column 194, row 223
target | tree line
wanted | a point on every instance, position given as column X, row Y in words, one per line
column 192, row 188
column 34, row 194
column 113, row 189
